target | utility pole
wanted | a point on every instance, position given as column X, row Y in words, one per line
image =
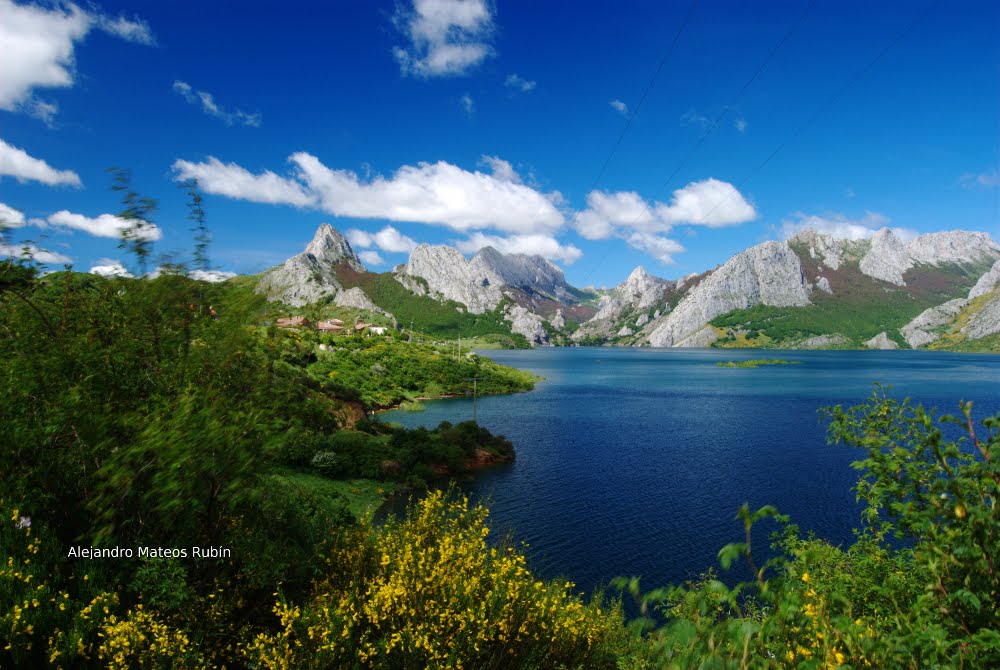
column 460, row 346
column 475, row 395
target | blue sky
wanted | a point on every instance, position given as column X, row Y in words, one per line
column 469, row 122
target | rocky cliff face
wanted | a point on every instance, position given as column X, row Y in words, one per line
column 311, row 275
column 887, row 258
column 640, row 292
column 925, row 328
column 769, row 274
column 987, row 282
column 953, row 246
column 355, row 297
column 533, row 274
column 451, row 277
column 884, row 256
column 986, row 321
column 526, row 323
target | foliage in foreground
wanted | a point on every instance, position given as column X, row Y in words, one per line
column 917, row 589
column 424, row 592
column 429, row 592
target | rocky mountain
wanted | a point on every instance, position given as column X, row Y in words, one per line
column 971, row 318
column 312, row 275
column 936, row 290
column 625, row 309
column 532, row 274
column 768, row 274
column 886, row 257
column 447, row 275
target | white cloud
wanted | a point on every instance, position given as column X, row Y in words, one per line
column 501, row 169
column 109, row 267
column 849, row 192
column 233, row 181
column 388, row 239
column 658, row 246
column 432, row 193
column 518, row 83
column 841, row 227
column 984, row 180
column 711, row 203
column 131, row 30
column 371, row 258
column 446, row 37
column 619, row 107
column 213, row 276
column 33, row 252
column 105, row 225
column 208, row 105
column 740, row 124
column 468, row 104
column 18, row 164
column 541, row 245
column 11, row 217
column 39, row 45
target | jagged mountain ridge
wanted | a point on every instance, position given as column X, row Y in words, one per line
column 810, row 274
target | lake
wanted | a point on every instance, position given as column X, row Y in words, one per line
column 633, row 462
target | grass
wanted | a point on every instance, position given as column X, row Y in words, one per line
column 757, row 362
column 363, row 496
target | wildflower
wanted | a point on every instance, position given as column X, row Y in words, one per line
column 24, row 522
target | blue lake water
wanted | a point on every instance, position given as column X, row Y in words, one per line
column 633, row 462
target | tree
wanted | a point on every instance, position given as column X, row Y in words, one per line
column 202, row 238
column 137, row 237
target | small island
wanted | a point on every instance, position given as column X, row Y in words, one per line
column 756, row 362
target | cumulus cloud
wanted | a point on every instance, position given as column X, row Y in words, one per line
column 501, row 169
column 10, row 217
column 105, row 225
column 520, row 84
column 432, row 193
column 109, row 267
column 206, row 101
column 628, row 216
column 213, row 276
column 619, row 107
column 237, row 182
column 388, row 239
column 18, row 164
column 32, row 252
column 660, row 247
column 446, row 37
column 711, row 203
column 371, row 258
column 39, row 44
column 545, row 246
column 842, row 227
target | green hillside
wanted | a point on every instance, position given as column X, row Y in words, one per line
column 858, row 308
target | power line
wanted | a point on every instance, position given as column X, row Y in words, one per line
column 725, row 111
column 817, row 113
column 645, row 94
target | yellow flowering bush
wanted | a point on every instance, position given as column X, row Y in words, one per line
column 430, row 592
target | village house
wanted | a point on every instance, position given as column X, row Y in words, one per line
column 330, row 326
column 293, row 322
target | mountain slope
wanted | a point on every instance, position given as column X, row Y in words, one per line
column 312, row 275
